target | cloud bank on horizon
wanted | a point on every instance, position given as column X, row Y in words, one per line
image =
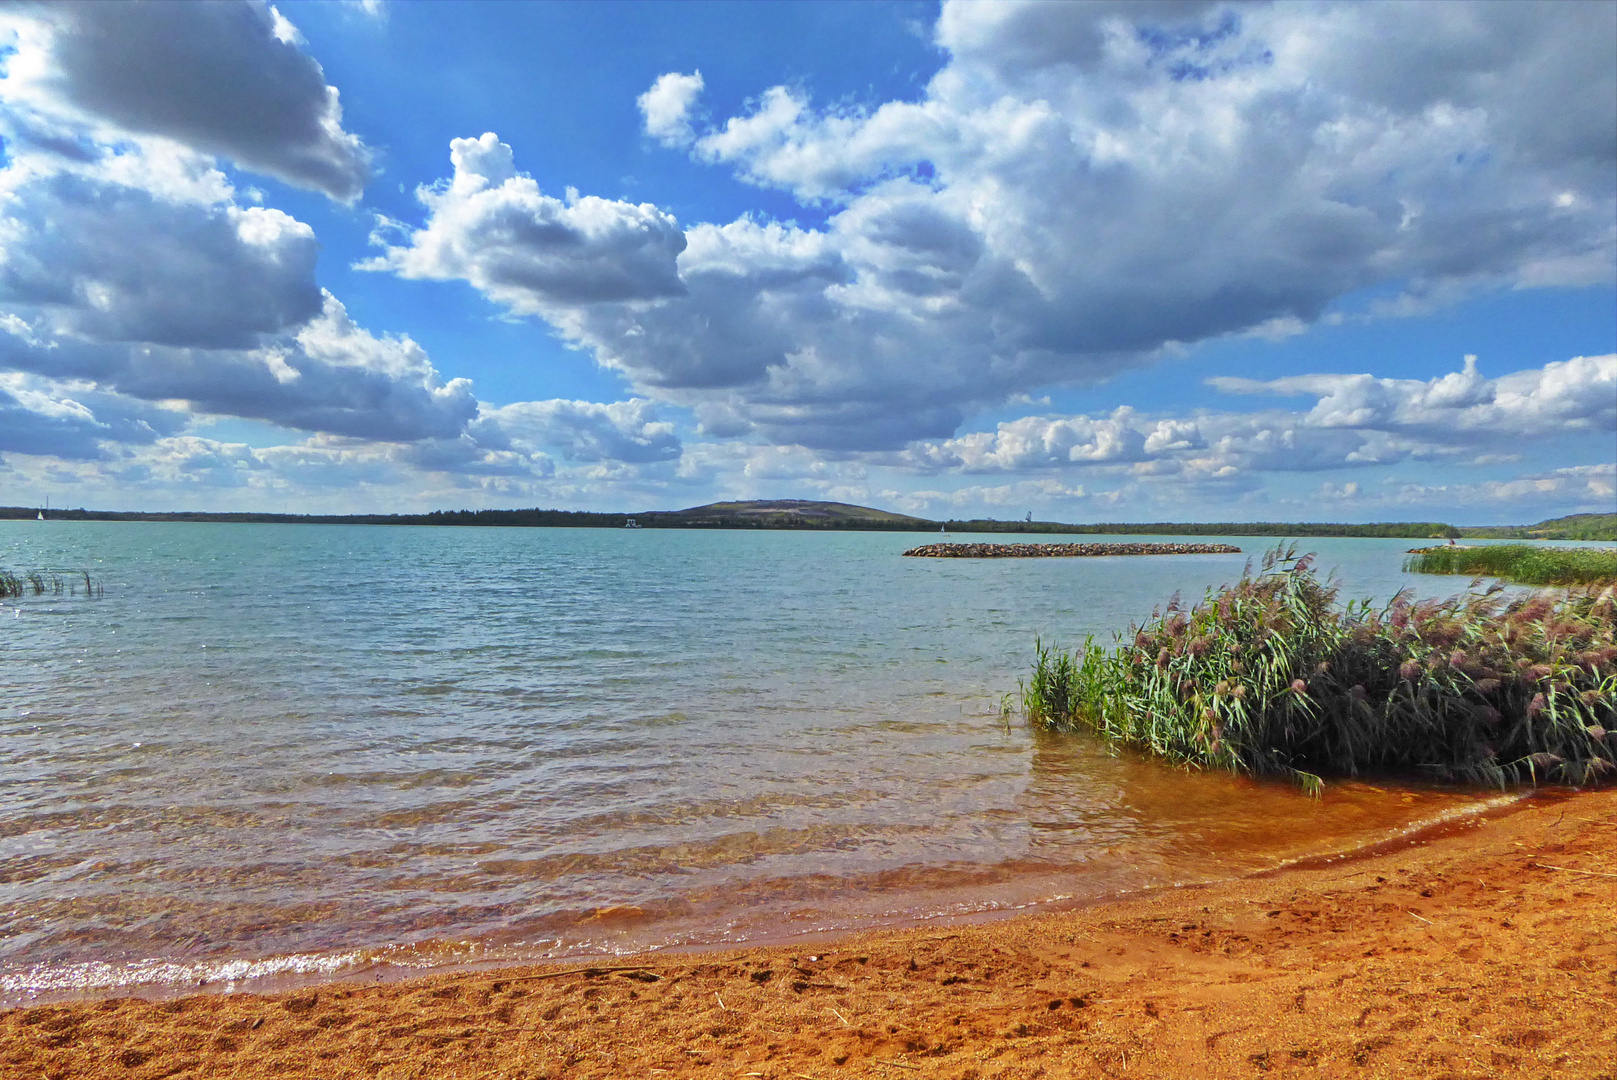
column 1082, row 197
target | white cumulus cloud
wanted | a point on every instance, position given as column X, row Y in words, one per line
column 226, row 78
column 1579, row 394
column 627, row 431
column 1078, row 189
column 535, row 253
column 666, row 107
column 1358, row 422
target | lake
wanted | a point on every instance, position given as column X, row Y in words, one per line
column 282, row 752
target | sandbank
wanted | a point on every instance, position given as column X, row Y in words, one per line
column 1486, row 950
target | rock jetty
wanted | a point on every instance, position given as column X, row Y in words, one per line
column 1027, row 551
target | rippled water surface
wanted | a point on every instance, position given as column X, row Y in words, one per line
column 274, row 749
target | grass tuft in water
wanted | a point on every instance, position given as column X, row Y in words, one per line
column 1521, row 563
column 36, row 583
column 1271, row 676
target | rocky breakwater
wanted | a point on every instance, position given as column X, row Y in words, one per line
column 1027, row 551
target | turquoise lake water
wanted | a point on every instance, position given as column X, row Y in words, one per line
column 281, row 751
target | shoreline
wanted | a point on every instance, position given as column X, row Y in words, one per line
column 1486, row 950
column 304, row 972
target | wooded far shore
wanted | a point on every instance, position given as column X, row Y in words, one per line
column 808, row 515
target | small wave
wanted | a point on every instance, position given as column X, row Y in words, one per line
column 634, row 929
column 96, row 975
column 1412, row 831
column 157, row 978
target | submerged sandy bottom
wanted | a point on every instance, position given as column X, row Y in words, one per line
column 1486, row 950
column 528, row 745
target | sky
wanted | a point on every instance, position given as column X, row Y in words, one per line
column 1111, row 261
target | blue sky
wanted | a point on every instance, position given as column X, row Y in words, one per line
column 1096, row 262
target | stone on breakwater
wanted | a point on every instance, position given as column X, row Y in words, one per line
column 1024, row 551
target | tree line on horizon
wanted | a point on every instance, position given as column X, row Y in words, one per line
column 1575, row 527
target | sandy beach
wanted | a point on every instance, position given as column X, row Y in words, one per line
column 1487, row 949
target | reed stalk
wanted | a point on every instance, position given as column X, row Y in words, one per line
column 36, row 583
column 1271, row 676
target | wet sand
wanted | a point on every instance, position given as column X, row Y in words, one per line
column 1489, row 950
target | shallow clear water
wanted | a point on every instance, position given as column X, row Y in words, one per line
column 273, row 749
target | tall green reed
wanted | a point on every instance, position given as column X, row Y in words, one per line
column 1271, row 676
column 1523, row 563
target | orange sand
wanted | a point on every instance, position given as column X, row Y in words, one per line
column 1487, row 952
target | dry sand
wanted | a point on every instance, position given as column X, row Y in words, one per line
column 1490, row 951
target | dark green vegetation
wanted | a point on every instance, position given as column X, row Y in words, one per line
column 1521, row 563
column 575, row 519
column 806, row 514
column 1572, row 527
column 1271, row 676
column 783, row 514
column 37, row 583
column 800, row 514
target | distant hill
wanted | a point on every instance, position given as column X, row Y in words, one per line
column 807, row 514
column 782, row 514
column 1571, row 527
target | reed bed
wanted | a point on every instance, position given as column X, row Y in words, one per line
column 1522, row 563
column 1271, row 676
column 41, row 582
